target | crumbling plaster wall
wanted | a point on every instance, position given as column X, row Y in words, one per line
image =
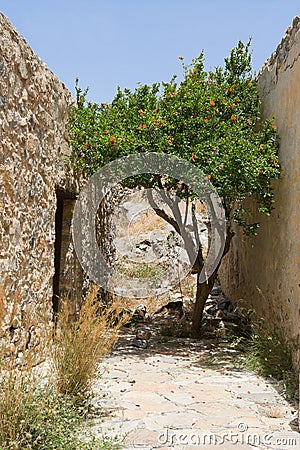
column 265, row 270
column 34, row 108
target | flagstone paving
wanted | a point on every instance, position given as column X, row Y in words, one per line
column 185, row 394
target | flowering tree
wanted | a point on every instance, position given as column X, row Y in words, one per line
column 212, row 119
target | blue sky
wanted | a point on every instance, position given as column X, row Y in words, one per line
column 114, row 42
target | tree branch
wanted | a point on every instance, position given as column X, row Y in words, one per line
column 161, row 213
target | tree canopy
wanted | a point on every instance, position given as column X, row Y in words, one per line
column 211, row 119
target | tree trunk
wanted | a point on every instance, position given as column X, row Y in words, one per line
column 202, row 291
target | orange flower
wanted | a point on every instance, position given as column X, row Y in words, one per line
column 194, row 71
column 274, row 127
column 214, row 148
column 233, row 118
column 141, row 113
column 261, row 147
column 206, row 120
column 106, row 105
column 212, row 103
column 208, row 177
column 248, row 121
column 221, row 166
column 193, row 157
column 113, row 146
column 259, row 172
column 112, row 139
column 170, row 142
column 217, row 111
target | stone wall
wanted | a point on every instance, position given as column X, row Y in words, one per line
column 34, row 177
column 265, row 270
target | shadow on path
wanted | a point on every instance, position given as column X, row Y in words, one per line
column 182, row 393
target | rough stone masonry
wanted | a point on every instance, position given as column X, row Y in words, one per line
column 38, row 189
column 34, row 179
column 265, row 270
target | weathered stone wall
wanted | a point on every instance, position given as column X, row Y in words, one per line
column 34, row 108
column 265, row 270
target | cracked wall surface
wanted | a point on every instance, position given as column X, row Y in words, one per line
column 265, row 270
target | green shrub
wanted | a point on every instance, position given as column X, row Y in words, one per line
column 176, row 329
column 268, row 353
column 139, row 270
column 264, row 351
column 35, row 418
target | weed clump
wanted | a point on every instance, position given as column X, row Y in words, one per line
column 269, row 355
column 177, row 329
column 80, row 344
column 265, row 351
column 36, row 418
column 41, row 410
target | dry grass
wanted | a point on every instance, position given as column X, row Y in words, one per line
column 149, row 221
column 81, row 344
column 16, row 403
column 153, row 303
column 33, row 414
column 17, row 383
column 132, row 269
column 146, row 221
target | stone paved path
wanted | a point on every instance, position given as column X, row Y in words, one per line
column 187, row 394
